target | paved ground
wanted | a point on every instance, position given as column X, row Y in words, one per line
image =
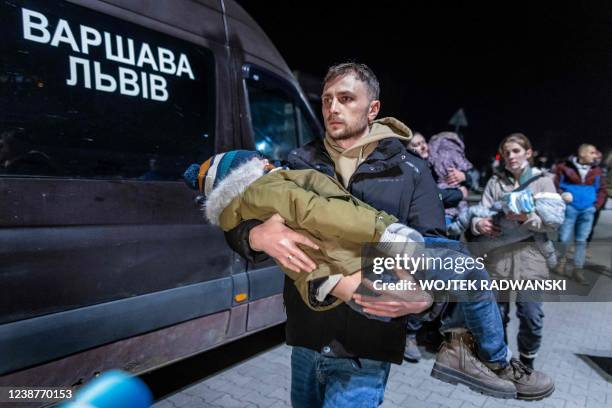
column 570, row 329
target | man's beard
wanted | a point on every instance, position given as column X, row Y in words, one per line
column 351, row 131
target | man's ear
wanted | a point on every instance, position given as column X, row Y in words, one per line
column 529, row 154
column 373, row 110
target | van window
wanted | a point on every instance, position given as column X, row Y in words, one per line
column 279, row 119
column 83, row 94
column 307, row 130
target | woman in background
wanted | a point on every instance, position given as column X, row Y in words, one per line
column 521, row 260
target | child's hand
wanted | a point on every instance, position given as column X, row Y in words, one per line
column 454, row 177
column 486, row 226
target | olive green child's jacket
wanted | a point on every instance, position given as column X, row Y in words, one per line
column 312, row 204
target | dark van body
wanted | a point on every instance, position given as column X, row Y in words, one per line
column 105, row 259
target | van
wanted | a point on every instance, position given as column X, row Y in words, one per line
column 105, row 258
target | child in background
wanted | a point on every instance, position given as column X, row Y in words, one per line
column 446, row 155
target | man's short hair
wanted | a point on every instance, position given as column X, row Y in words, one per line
column 361, row 72
column 583, row 147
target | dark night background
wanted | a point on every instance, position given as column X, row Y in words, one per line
column 541, row 68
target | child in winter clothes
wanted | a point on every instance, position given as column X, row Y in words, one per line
column 446, row 152
column 241, row 185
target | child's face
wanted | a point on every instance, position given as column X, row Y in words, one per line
column 419, row 146
column 267, row 165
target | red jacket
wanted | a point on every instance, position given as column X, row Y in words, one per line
column 568, row 170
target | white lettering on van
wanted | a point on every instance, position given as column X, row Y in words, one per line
column 166, row 61
column 104, row 82
column 89, row 36
column 64, row 34
column 145, row 88
column 119, row 56
column 183, row 66
column 146, row 57
column 158, row 88
column 74, row 78
column 128, row 82
column 40, row 26
column 116, row 49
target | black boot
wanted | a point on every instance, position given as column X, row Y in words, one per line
column 528, row 361
column 504, row 311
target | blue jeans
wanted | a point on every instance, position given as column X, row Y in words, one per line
column 531, row 324
column 414, row 324
column 580, row 223
column 320, row 381
column 475, row 310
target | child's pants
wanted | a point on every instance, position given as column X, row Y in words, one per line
column 531, row 318
column 475, row 310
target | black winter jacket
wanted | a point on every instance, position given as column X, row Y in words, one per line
column 390, row 179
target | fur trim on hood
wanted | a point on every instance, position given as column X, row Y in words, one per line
column 231, row 187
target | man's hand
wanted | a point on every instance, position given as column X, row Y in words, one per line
column 389, row 304
column 455, row 177
column 395, row 303
column 487, row 227
column 280, row 242
column 464, row 191
column 386, row 307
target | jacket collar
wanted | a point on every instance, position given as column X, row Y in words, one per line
column 571, row 163
column 313, row 155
